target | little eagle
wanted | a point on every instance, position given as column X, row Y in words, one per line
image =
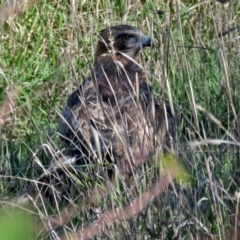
column 113, row 116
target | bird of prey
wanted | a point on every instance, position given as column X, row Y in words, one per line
column 113, row 116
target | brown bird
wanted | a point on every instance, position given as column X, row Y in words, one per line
column 112, row 122
column 113, row 116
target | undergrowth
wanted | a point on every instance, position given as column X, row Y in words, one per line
column 47, row 50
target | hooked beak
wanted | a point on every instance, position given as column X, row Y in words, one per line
column 147, row 42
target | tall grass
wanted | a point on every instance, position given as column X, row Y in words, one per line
column 46, row 50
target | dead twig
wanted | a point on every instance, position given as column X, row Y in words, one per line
column 113, row 215
column 6, row 108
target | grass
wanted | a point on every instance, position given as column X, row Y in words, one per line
column 45, row 53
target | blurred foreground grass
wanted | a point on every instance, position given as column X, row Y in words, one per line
column 45, row 53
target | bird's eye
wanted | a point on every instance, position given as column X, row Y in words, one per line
column 126, row 38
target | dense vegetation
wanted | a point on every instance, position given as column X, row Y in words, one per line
column 46, row 50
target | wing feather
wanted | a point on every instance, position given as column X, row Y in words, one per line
column 121, row 115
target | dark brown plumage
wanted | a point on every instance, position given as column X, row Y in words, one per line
column 113, row 115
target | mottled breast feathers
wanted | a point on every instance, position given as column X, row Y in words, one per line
column 113, row 115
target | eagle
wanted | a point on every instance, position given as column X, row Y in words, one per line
column 112, row 120
column 113, row 116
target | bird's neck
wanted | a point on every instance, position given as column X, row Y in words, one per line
column 118, row 61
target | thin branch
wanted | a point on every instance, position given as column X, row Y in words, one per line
column 113, row 215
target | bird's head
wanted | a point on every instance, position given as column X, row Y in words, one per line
column 122, row 39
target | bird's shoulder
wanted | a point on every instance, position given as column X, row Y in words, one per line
column 114, row 87
column 111, row 80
